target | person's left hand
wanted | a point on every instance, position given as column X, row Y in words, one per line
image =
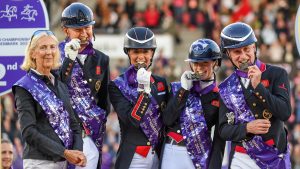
column 254, row 75
column 75, row 157
column 143, row 78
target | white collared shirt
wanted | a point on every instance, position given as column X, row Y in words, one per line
column 245, row 82
column 205, row 84
column 51, row 77
column 82, row 58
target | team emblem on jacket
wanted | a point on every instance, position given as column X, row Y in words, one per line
column 160, row 86
column 97, row 85
column 267, row 114
column 230, row 117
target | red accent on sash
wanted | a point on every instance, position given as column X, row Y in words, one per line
column 160, row 86
column 215, row 103
column 262, row 67
column 142, row 150
column 241, row 149
column 270, row 142
column 216, row 89
column 265, row 83
column 175, row 136
column 87, row 131
column 152, row 79
column 136, row 107
column 98, row 70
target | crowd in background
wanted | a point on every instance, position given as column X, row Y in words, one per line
column 272, row 20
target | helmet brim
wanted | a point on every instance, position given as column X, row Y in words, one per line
column 201, row 60
column 80, row 25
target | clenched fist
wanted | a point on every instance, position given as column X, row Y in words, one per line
column 72, row 48
column 143, row 78
column 254, row 75
column 186, row 80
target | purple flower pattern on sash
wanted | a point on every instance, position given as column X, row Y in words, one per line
column 265, row 156
column 151, row 122
column 92, row 116
column 53, row 107
column 193, row 125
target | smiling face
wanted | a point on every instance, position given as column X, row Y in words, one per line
column 7, row 155
column 44, row 54
column 205, row 69
column 84, row 34
column 242, row 55
column 141, row 56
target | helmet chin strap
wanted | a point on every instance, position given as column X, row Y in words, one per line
column 210, row 80
column 94, row 33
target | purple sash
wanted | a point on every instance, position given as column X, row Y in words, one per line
column 264, row 155
column 151, row 122
column 53, row 107
column 193, row 125
column 82, row 101
column 92, row 116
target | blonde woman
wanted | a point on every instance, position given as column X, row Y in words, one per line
column 49, row 128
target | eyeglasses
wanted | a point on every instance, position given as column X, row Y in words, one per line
column 37, row 32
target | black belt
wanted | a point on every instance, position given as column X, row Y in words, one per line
column 173, row 142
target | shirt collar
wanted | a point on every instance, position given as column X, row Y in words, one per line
column 51, row 77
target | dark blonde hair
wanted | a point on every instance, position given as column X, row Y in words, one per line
column 30, row 62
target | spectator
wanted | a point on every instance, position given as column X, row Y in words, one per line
column 178, row 9
column 169, row 25
column 6, row 154
column 9, row 117
column 193, row 16
column 124, row 23
column 102, row 15
column 130, row 10
column 152, row 15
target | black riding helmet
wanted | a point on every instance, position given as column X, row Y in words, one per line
column 236, row 35
column 77, row 15
column 139, row 38
column 204, row 50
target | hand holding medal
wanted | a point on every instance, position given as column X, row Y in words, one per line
column 254, row 75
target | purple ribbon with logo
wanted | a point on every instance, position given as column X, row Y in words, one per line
column 92, row 116
column 193, row 125
column 265, row 156
column 151, row 122
column 53, row 107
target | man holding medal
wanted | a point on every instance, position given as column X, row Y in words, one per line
column 86, row 72
column 254, row 104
